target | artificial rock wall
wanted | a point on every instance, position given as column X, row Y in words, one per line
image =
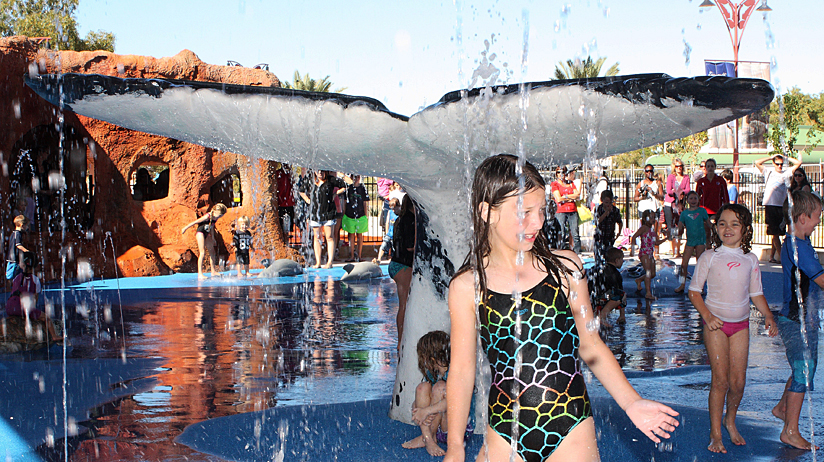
column 144, row 236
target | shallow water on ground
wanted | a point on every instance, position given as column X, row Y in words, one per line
column 231, row 348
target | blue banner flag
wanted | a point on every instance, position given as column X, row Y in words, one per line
column 720, row 68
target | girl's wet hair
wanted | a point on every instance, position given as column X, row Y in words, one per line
column 497, row 179
column 744, row 217
column 433, row 352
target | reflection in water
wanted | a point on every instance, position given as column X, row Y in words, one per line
column 234, row 349
column 229, row 350
column 662, row 334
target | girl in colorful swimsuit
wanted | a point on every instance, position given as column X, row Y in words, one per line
column 531, row 304
column 733, row 279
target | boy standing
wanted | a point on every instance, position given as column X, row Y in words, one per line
column 16, row 248
column 355, row 221
column 386, row 245
column 242, row 242
column 797, row 254
column 608, row 216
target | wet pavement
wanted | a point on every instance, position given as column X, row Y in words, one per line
column 271, row 359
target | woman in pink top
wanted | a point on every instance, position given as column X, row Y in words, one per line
column 678, row 185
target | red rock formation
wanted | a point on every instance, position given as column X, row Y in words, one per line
column 102, row 212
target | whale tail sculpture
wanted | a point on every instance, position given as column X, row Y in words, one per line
column 432, row 153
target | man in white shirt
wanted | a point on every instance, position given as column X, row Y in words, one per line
column 776, row 180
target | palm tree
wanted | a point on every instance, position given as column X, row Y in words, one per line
column 307, row 83
column 583, row 69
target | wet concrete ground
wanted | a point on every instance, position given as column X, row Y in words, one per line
column 251, row 369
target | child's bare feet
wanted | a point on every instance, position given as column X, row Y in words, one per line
column 327, row 266
column 637, row 285
column 201, row 276
column 649, row 296
column 622, row 319
column 716, row 445
column 414, row 443
column 795, row 440
column 736, row 437
column 316, row 265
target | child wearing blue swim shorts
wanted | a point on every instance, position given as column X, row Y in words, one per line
column 799, row 257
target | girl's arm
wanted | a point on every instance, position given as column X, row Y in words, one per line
column 196, row 222
column 305, row 197
column 463, row 339
column 654, row 419
column 761, row 305
column 713, row 323
column 699, row 278
column 419, row 415
column 638, row 233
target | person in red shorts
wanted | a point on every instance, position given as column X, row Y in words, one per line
column 712, row 190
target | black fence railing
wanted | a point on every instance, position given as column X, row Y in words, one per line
column 373, row 235
column 750, row 193
column 750, row 189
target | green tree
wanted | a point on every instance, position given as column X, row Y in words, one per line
column 787, row 114
column 686, row 148
column 586, row 69
column 307, row 83
column 50, row 18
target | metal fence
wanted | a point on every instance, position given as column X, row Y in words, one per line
column 750, row 189
column 373, row 235
column 622, row 182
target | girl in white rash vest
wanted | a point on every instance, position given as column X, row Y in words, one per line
column 733, row 279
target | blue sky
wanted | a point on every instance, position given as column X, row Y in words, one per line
column 408, row 54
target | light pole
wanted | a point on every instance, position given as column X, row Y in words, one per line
column 736, row 15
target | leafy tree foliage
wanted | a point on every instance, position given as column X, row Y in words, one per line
column 686, row 148
column 586, row 69
column 307, row 83
column 50, row 18
column 793, row 110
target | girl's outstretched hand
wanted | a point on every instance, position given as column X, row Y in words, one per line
column 656, row 420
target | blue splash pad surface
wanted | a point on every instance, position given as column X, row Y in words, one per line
column 226, row 278
column 360, row 430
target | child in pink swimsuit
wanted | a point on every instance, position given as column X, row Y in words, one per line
column 646, row 252
column 733, row 279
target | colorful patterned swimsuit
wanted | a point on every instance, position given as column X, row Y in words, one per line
column 553, row 395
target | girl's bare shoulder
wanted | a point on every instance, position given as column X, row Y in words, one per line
column 463, row 282
column 569, row 258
